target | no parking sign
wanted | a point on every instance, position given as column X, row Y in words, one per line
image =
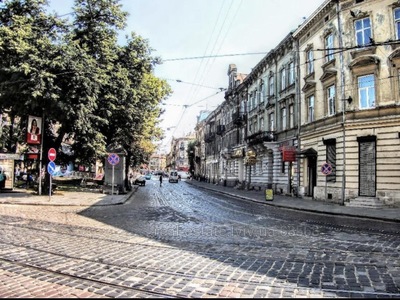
column 326, row 169
column 113, row 159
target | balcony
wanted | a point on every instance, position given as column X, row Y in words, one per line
column 260, row 137
column 238, row 118
column 209, row 137
column 220, row 129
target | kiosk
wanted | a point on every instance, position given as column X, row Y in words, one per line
column 7, row 170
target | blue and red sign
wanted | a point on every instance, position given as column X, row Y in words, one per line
column 326, row 169
column 51, row 168
column 113, row 159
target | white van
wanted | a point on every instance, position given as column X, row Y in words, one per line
column 173, row 176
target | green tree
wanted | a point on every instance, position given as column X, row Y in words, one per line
column 91, row 91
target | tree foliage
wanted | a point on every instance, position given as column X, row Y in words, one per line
column 91, row 90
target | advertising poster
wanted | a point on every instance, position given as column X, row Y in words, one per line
column 34, row 130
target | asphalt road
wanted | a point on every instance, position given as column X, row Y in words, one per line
column 179, row 241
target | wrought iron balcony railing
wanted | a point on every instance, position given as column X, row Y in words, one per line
column 260, row 137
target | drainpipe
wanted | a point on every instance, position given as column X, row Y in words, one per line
column 342, row 94
column 298, row 104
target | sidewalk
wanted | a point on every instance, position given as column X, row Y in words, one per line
column 384, row 214
column 64, row 198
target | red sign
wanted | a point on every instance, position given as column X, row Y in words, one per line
column 52, row 154
column 289, row 153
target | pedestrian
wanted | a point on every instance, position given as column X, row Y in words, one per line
column 2, row 178
column 161, row 180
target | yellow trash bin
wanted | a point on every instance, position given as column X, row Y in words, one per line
column 269, row 194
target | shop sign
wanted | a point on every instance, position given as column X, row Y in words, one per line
column 289, row 153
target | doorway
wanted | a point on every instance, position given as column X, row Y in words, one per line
column 367, row 167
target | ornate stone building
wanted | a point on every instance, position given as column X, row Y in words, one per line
column 321, row 111
column 350, row 101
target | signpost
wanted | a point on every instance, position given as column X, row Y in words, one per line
column 326, row 169
column 113, row 159
column 51, row 168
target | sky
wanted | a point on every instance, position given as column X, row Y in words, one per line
column 198, row 40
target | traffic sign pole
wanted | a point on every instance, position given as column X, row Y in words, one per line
column 326, row 169
column 51, row 184
column 112, row 182
column 52, row 154
column 113, row 159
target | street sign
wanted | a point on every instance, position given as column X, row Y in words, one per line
column 51, row 168
column 113, row 159
column 326, row 169
column 52, row 154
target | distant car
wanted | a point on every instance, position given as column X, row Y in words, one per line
column 141, row 180
column 173, row 176
column 183, row 175
column 148, row 176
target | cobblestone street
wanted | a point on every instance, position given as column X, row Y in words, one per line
column 179, row 241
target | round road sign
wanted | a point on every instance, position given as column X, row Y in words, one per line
column 51, row 167
column 52, row 154
column 113, row 159
column 326, row 169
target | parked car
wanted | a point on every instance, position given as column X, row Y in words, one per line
column 173, row 176
column 148, row 176
column 141, row 180
column 183, row 175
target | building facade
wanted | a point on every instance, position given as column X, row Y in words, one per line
column 320, row 113
column 178, row 158
column 349, row 67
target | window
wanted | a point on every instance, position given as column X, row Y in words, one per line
column 271, row 122
column 397, row 22
column 261, row 124
column 329, row 48
column 255, row 125
column 363, row 31
column 310, row 101
column 398, row 78
column 261, row 92
column 253, row 99
column 283, row 79
column 291, row 116
column 283, row 116
column 331, row 93
column 366, row 91
column 271, row 85
column 310, row 62
column 291, row 73
column 250, row 128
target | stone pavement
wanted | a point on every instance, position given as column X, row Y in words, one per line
column 95, row 198
column 64, row 198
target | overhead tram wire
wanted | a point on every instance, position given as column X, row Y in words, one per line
column 210, row 61
column 181, row 81
column 213, row 56
column 186, row 106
